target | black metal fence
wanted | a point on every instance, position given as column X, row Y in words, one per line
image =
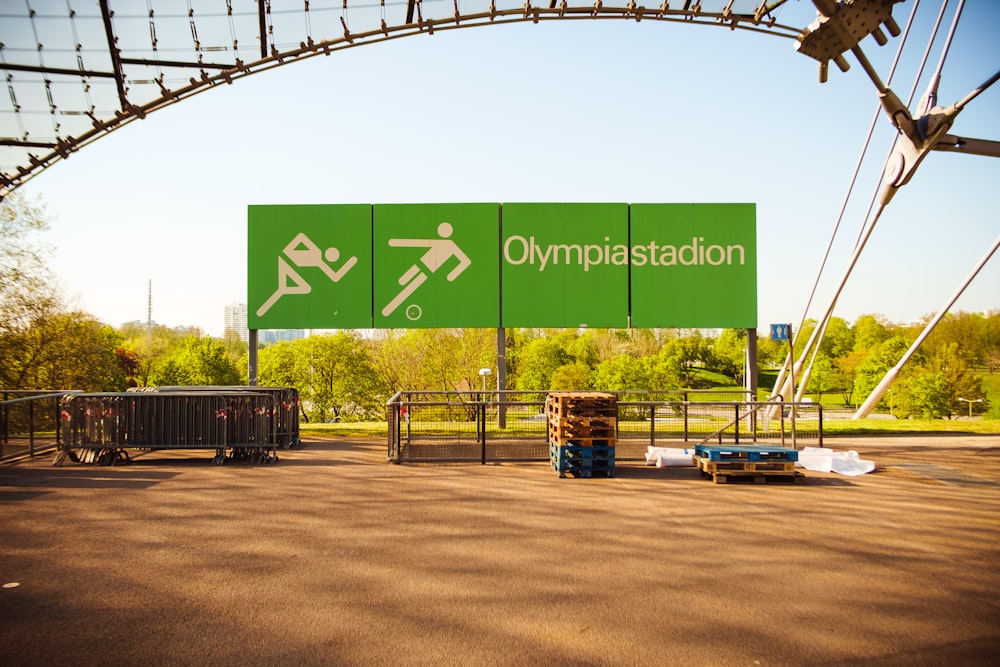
column 29, row 422
column 511, row 425
column 236, row 422
column 283, row 412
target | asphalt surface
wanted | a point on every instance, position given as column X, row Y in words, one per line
column 333, row 556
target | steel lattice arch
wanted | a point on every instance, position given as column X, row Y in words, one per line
column 76, row 70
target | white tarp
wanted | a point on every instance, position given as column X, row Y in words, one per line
column 663, row 457
column 823, row 459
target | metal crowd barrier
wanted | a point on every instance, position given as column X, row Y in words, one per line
column 237, row 424
column 285, row 412
column 29, row 422
column 480, row 427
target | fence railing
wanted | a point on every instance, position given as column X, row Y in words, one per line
column 29, row 422
column 511, row 425
column 237, row 422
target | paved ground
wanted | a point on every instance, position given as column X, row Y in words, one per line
column 334, row 556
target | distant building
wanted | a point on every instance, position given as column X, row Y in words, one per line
column 236, row 321
column 268, row 336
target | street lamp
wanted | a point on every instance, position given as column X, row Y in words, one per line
column 970, row 401
column 485, row 372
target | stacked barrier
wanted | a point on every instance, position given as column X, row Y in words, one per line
column 235, row 423
column 284, row 413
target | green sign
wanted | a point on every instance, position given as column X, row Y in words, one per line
column 694, row 265
column 437, row 265
column 513, row 265
column 565, row 265
column 309, row 267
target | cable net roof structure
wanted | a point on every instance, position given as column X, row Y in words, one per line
column 75, row 70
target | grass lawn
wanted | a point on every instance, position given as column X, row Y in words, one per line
column 873, row 426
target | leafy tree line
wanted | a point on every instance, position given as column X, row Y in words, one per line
column 348, row 375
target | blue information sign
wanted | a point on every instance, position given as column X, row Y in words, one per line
column 780, row 331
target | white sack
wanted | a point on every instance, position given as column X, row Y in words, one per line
column 822, row 459
column 663, row 457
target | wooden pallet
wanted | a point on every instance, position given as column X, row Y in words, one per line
column 758, row 477
column 723, row 472
column 585, row 436
column 583, row 421
column 734, row 467
column 581, row 404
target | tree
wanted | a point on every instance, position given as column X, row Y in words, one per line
column 728, row 354
column 27, row 287
column 57, row 350
column 838, row 341
column 927, row 396
column 343, row 383
column 621, row 373
column 884, row 356
column 283, row 364
column 847, row 371
column 957, row 380
column 869, row 332
column 682, row 356
column 571, row 376
column 538, row 362
column 824, row 377
column 203, row 361
column 152, row 346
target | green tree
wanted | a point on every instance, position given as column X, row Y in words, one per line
column 838, row 341
column 343, row 383
column 958, row 379
column 203, row 361
column 623, row 372
column 728, row 354
column 869, row 332
column 682, row 357
column 152, row 346
column 571, row 376
column 538, row 362
column 27, row 287
column 927, row 396
column 879, row 360
column 846, row 368
column 824, row 377
column 59, row 350
column 283, row 364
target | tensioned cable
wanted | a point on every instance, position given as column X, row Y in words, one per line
column 843, row 207
column 857, row 167
column 909, row 103
column 883, row 202
column 821, row 327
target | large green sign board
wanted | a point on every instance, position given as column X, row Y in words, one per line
column 513, row 265
column 565, row 265
column 437, row 265
column 694, row 263
column 309, row 267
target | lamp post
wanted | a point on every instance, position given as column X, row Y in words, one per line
column 485, row 373
column 970, row 401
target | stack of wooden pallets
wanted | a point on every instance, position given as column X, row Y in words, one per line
column 747, row 462
column 581, row 428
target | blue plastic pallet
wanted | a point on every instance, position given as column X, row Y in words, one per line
column 753, row 453
column 582, row 461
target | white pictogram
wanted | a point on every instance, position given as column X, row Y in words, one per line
column 304, row 253
column 439, row 251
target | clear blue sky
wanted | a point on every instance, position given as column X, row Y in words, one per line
column 561, row 111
